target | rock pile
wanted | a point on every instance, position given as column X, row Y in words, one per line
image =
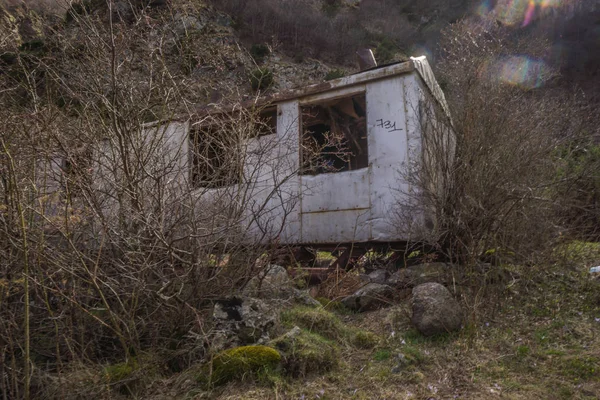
column 381, row 287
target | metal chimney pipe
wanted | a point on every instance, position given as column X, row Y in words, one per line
column 366, row 59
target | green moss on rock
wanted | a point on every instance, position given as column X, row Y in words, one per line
column 326, row 324
column 332, row 305
column 315, row 320
column 305, row 352
column 241, row 362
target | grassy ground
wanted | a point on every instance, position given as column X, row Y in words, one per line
column 534, row 334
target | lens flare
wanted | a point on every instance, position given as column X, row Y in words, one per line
column 422, row 51
column 511, row 12
column 549, row 3
column 485, row 8
column 518, row 12
column 522, row 71
column 529, row 13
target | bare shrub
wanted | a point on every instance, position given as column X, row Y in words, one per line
column 109, row 248
column 124, row 213
column 499, row 191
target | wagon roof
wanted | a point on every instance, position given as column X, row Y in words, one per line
column 418, row 64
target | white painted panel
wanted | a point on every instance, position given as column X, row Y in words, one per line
column 327, row 96
column 269, row 194
column 336, row 226
column 386, row 122
column 272, row 211
column 413, row 222
column 288, row 128
column 272, row 193
column 336, row 191
column 176, row 140
column 258, row 175
column 412, row 96
column 50, row 174
column 388, row 151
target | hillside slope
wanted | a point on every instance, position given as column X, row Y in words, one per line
column 208, row 47
column 196, row 45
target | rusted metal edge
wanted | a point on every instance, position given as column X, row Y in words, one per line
column 299, row 93
column 336, row 210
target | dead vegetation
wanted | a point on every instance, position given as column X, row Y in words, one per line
column 334, row 30
column 111, row 253
column 505, row 189
column 107, row 249
column 108, row 271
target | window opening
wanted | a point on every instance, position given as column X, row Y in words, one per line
column 334, row 136
column 216, row 147
column 267, row 122
column 75, row 171
column 215, row 161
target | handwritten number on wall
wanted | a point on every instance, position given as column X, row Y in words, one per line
column 387, row 124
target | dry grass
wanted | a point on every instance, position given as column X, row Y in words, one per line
column 340, row 284
column 541, row 341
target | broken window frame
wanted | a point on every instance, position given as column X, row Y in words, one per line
column 265, row 123
column 75, row 171
column 346, row 150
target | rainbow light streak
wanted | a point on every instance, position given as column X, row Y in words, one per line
column 513, row 12
column 510, row 13
column 529, row 13
column 423, row 51
column 522, row 71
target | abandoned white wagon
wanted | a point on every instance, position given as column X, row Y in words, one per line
column 295, row 187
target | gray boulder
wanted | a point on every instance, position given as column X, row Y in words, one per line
column 302, row 297
column 273, row 282
column 241, row 321
column 378, row 276
column 185, row 24
column 369, row 297
column 419, row 274
column 434, row 310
